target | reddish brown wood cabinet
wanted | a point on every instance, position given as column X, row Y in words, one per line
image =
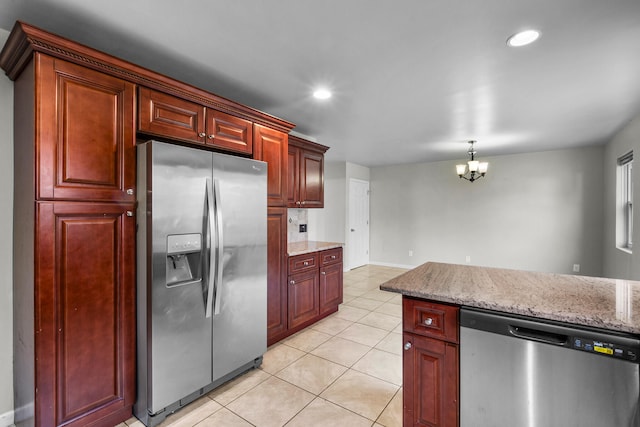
column 85, row 287
column 276, row 274
column 271, row 147
column 74, row 269
column 174, row 118
column 430, row 364
column 305, row 174
column 86, row 138
column 314, row 290
column 304, row 289
column 330, row 280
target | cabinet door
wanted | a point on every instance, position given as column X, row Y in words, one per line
column 430, row 382
column 229, row 132
column 293, row 177
column 330, row 287
column 311, row 179
column 276, row 274
column 85, row 313
column 165, row 115
column 86, row 136
column 272, row 146
column 303, row 297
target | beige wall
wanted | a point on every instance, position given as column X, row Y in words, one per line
column 6, row 246
column 618, row 263
column 536, row 211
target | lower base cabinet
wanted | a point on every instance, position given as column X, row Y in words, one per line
column 74, row 325
column 313, row 290
column 430, row 364
column 304, row 292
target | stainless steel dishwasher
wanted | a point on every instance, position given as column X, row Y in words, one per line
column 521, row 372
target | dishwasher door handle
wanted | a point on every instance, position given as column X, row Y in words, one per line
column 539, row 336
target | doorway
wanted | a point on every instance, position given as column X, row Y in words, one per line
column 358, row 238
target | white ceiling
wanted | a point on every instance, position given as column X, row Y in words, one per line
column 412, row 79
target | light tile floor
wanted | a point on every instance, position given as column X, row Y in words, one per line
column 345, row 370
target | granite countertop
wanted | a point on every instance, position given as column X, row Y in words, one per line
column 590, row 301
column 299, row 248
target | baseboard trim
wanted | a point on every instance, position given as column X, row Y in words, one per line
column 390, row 264
column 6, row 419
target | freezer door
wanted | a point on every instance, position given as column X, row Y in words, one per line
column 180, row 332
column 240, row 300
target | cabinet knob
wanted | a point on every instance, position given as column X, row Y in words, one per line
column 324, row 273
column 129, row 213
column 202, row 134
column 297, row 203
column 306, row 263
column 292, row 282
column 130, row 191
column 407, row 345
column 333, row 257
column 211, row 136
column 428, row 321
column 303, row 202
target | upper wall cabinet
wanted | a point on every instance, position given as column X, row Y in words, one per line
column 305, row 174
column 271, row 147
column 91, row 114
column 171, row 117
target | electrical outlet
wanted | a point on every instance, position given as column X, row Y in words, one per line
column 467, row 259
column 410, row 253
column 303, row 228
column 576, row 268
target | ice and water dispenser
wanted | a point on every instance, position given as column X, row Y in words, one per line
column 184, row 259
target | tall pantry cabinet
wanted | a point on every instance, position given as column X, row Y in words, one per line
column 74, row 241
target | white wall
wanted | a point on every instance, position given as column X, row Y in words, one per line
column 617, row 263
column 6, row 246
column 327, row 224
column 331, row 223
column 537, row 211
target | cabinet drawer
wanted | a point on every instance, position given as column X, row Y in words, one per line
column 430, row 319
column 165, row 115
column 303, row 262
column 331, row 256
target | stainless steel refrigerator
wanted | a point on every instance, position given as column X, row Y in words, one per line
column 202, row 273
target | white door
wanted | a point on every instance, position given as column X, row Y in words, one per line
column 358, row 239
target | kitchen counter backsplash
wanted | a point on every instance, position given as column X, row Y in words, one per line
column 295, row 217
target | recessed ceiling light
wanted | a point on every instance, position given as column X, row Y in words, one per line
column 322, row 93
column 523, row 38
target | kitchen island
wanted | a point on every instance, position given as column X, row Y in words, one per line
column 434, row 294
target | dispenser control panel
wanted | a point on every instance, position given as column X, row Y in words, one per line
column 183, row 243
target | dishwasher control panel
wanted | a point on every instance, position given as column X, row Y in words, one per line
column 604, row 348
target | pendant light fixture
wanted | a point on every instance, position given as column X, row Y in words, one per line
column 476, row 169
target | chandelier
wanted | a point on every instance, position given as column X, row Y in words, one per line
column 476, row 169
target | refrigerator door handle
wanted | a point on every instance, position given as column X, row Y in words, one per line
column 220, row 247
column 212, row 259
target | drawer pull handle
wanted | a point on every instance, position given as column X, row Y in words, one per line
column 407, row 346
column 305, row 263
column 428, row 321
column 333, row 257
